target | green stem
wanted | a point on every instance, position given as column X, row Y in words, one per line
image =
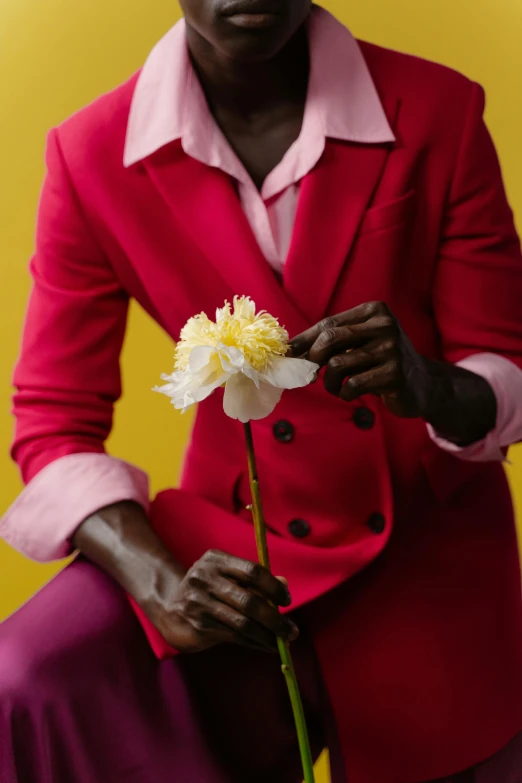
column 284, row 647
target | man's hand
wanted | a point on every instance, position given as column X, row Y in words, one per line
column 223, row 599
column 365, row 351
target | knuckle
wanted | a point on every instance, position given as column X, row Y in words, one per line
column 337, row 362
column 200, row 624
column 389, row 346
column 389, row 323
column 192, row 599
column 247, row 603
column 355, row 382
column 242, row 623
column 327, row 324
column 376, row 309
column 327, row 336
column 371, row 308
column 195, row 575
column 254, row 571
column 212, row 555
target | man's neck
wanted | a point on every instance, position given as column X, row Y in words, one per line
column 251, row 89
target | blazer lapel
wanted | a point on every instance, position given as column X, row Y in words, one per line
column 333, row 199
column 206, row 206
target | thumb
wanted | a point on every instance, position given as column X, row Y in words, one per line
column 285, row 583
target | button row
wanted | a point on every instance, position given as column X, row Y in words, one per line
column 300, row 528
column 363, row 418
column 284, row 432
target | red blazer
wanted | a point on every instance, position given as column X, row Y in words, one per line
column 422, row 650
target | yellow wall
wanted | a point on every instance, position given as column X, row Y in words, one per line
column 58, row 55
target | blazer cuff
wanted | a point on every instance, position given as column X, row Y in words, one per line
column 505, row 378
column 62, row 495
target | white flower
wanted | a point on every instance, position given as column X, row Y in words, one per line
column 243, row 351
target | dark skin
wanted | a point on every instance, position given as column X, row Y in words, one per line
column 251, row 57
column 221, row 599
column 365, row 351
column 255, row 80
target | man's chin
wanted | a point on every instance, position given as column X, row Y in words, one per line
column 253, row 44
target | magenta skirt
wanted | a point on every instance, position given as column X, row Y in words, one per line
column 84, row 700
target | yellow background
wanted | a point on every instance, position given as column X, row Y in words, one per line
column 58, row 55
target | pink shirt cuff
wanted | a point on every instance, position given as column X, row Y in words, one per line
column 60, row 497
column 505, row 378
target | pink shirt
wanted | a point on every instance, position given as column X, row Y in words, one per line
column 169, row 104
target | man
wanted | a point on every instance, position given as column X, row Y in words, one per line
column 355, row 194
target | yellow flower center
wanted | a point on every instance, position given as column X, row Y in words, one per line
column 258, row 335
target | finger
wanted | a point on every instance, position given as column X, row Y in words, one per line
column 254, row 607
column 339, row 368
column 301, row 343
column 255, row 576
column 282, row 579
column 244, row 629
column 343, row 338
column 347, row 338
column 344, row 365
column 210, row 632
column 380, row 380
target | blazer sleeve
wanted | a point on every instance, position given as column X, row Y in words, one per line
column 67, row 378
column 478, row 283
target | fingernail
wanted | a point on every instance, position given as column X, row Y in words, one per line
column 287, row 598
column 295, row 350
column 294, row 632
column 288, row 629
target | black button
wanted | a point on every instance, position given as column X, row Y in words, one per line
column 283, row 431
column 299, row 528
column 364, row 418
column 377, row 523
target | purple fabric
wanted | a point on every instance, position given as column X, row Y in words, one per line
column 83, row 700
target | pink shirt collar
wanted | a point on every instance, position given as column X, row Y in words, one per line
column 342, row 103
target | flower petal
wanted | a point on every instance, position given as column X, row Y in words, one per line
column 201, row 389
column 244, row 401
column 287, row 373
column 244, row 307
column 232, row 359
column 223, row 312
column 187, row 388
column 200, row 356
column 249, row 371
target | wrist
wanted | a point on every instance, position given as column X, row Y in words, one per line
column 155, row 587
column 120, row 539
column 461, row 407
column 440, row 398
